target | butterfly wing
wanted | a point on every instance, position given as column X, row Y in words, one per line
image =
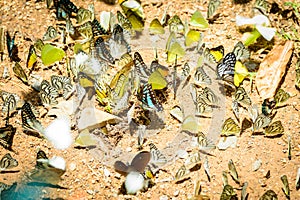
column 226, row 67
column 140, row 161
column 7, row 134
column 20, row 73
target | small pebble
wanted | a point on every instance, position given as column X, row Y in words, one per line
column 128, row 149
column 256, row 165
column 164, row 197
column 72, row 166
column 176, row 193
column 106, row 172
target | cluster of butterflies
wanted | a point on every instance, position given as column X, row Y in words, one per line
column 47, row 173
column 105, row 43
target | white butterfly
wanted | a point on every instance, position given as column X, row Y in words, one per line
column 59, row 133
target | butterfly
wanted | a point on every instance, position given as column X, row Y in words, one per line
column 102, row 51
column 134, row 6
column 261, row 122
column 207, row 95
column 51, row 34
column 216, row 53
column 268, row 106
column 201, row 77
column 136, row 21
column 193, row 159
column 229, row 128
column 29, row 121
column 235, row 109
column 47, row 171
column 176, row 25
column 261, row 6
column 7, row 162
column 241, row 52
column 10, row 103
column 38, row 45
column 157, row 158
column 148, row 97
column 286, row 188
column 2, row 42
column 20, row 73
column 297, row 81
column 125, row 23
column 62, row 83
column 7, row 134
column 181, row 173
column 233, row 171
column 275, row 129
column 84, row 15
column 242, row 97
column 64, row 9
column 226, row 67
column 40, row 156
column 190, row 124
column 228, row 193
column 97, row 29
column 269, row 194
column 120, row 87
column 31, row 58
column 12, row 48
column 212, row 7
column 138, row 163
column 86, row 31
column 298, row 179
column 48, row 93
column 156, row 27
column 157, row 80
column 202, row 107
column 118, row 42
column 141, row 68
column 281, row 96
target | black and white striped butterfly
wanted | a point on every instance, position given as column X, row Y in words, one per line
column 7, row 134
column 48, row 93
column 226, row 67
column 98, row 30
column 207, row 95
column 8, row 162
column 143, row 72
column 102, row 51
column 118, row 42
column 29, row 121
column 148, row 97
column 157, row 158
column 62, row 83
column 201, row 77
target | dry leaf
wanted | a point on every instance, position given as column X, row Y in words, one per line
column 272, row 69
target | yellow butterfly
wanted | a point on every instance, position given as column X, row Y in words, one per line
column 32, row 57
column 230, row 128
column 156, row 27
